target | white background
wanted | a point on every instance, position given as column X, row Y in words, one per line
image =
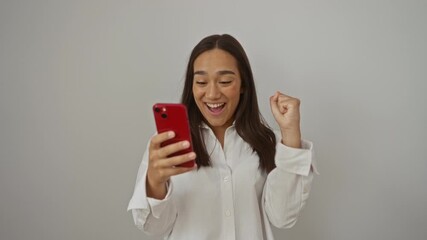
column 78, row 79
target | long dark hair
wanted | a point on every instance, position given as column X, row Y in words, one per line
column 249, row 123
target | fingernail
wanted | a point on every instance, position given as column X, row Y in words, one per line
column 171, row 134
column 186, row 144
column 192, row 155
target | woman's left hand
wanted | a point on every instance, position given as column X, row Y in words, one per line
column 286, row 111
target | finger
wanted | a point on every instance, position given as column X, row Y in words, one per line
column 173, row 148
column 286, row 103
column 166, row 173
column 176, row 160
column 157, row 140
column 274, row 104
column 179, row 170
column 284, row 98
column 283, row 103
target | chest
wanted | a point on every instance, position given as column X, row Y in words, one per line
column 235, row 170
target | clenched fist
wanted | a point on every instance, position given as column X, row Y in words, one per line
column 286, row 111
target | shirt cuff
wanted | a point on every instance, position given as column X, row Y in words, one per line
column 139, row 198
column 158, row 205
column 296, row 160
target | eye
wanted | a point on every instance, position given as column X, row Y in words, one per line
column 225, row 82
column 201, row 83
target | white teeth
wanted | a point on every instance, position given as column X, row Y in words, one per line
column 215, row 105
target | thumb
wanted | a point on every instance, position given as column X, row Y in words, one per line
column 274, row 105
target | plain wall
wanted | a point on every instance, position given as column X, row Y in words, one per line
column 78, row 78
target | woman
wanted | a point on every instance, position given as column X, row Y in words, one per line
column 247, row 176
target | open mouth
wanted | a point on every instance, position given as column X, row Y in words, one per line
column 215, row 107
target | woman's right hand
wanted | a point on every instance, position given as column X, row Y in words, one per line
column 161, row 167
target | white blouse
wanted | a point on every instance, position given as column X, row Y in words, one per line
column 233, row 199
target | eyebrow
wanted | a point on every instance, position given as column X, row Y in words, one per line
column 221, row 72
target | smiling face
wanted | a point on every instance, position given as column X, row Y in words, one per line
column 217, row 87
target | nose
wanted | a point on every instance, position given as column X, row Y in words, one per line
column 213, row 91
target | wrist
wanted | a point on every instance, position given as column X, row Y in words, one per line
column 292, row 138
column 156, row 190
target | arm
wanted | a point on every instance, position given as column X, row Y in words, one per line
column 152, row 216
column 287, row 187
column 151, row 204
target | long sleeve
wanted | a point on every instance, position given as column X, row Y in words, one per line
column 152, row 216
column 287, row 187
column 232, row 199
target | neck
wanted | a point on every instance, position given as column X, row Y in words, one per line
column 219, row 134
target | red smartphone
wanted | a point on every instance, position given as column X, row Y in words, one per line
column 174, row 117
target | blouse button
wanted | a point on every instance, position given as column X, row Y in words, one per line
column 227, row 213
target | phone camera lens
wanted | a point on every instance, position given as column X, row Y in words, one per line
column 164, row 115
column 157, row 109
